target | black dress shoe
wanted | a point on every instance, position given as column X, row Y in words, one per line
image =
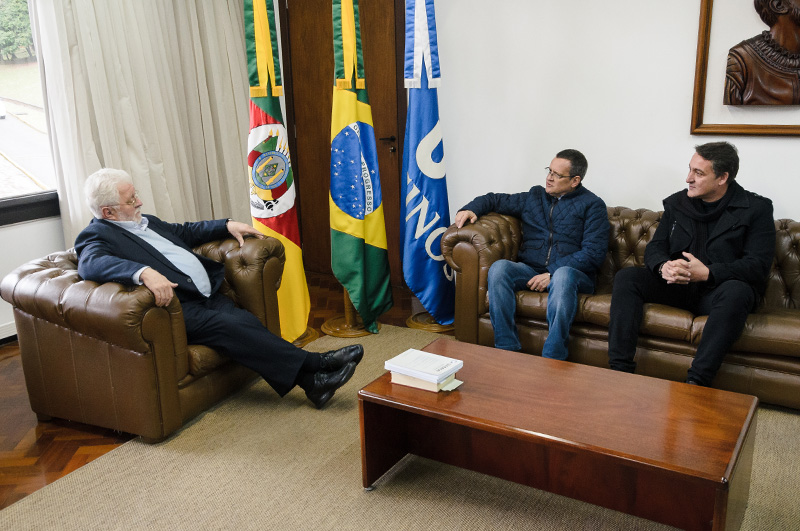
column 326, row 383
column 336, row 359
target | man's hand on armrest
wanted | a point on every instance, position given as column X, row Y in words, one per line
column 462, row 216
column 160, row 285
column 238, row 230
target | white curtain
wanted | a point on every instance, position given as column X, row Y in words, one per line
column 156, row 88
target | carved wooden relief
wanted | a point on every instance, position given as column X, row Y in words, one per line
column 765, row 69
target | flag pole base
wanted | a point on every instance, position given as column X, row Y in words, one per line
column 425, row 321
column 347, row 325
column 307, row 337
column 339, row 327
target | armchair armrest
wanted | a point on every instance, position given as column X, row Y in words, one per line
column 252, row 275
column 470, row 251
column 86, row 347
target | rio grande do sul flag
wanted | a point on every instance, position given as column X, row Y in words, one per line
column 359, row 258
column 425, row 212
column 272, row 190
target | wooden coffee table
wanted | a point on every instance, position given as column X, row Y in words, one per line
column 665, row 451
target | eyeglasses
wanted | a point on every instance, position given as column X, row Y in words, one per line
column 556, row 174
column 130, row 202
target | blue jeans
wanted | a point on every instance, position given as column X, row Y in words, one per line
column 507, row 277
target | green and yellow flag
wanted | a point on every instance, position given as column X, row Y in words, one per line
column 358, row 235
column 272, row 190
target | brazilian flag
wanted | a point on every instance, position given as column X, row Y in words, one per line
column 358, row 234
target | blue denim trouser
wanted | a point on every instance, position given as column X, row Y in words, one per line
column 507, row 277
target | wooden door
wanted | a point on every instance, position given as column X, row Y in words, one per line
column 310, row 83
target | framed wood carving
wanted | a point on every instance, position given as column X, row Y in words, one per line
column 765, row 120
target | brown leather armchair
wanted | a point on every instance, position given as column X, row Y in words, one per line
column 106, row 355
column 764, row 361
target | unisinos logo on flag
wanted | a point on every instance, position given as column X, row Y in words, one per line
column 272, row 191
column 425, row 213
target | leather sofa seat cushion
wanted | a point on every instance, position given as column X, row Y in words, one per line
column 770, row 331
column 659, row 320
column 532, row 304
column 204, row 360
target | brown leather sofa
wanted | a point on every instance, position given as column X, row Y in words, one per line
column 106, row 355
column 765, row 360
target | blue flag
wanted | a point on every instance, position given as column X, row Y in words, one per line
column 425, row 213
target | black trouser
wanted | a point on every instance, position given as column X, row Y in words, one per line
column 726, row 305
column 237, row 333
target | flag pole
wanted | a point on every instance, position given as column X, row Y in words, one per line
column 348, row 325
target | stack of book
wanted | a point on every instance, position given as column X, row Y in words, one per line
column 432, row 372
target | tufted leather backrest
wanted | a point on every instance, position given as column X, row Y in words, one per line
column 256, row 258
column 627, row 238
column 783, row 286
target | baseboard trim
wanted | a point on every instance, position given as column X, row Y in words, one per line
column 7, row 330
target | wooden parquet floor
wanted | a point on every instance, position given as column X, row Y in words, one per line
column 34, row 454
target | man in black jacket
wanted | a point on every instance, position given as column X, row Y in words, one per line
column 711, row 254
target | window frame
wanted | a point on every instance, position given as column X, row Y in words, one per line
column 29, row 207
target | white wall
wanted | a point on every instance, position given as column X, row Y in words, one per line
column 522, row 79
column 23, row 242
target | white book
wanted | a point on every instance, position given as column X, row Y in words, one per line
column 423, row 365
column 410, row 381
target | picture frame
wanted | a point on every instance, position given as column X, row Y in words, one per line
column 698, row 125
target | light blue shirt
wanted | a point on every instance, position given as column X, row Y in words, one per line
column 178, row 256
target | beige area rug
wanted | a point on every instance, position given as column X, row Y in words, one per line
column 259, row 462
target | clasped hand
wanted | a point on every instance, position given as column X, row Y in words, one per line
column 684, row 271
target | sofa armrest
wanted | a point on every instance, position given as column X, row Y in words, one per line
column 470, row 251
column 252, row 275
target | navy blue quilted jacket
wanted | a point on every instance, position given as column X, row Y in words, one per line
column 570, row 231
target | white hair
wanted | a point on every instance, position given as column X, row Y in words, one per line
column 102, row 189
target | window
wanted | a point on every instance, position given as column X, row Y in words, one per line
column 27, row 178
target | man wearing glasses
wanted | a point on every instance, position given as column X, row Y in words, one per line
column 564, row 242
column 121, row 245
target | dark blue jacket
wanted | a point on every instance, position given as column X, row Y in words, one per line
column 570, row 231
column 108, row 253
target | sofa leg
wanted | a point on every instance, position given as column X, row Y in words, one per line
column 43, row 418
